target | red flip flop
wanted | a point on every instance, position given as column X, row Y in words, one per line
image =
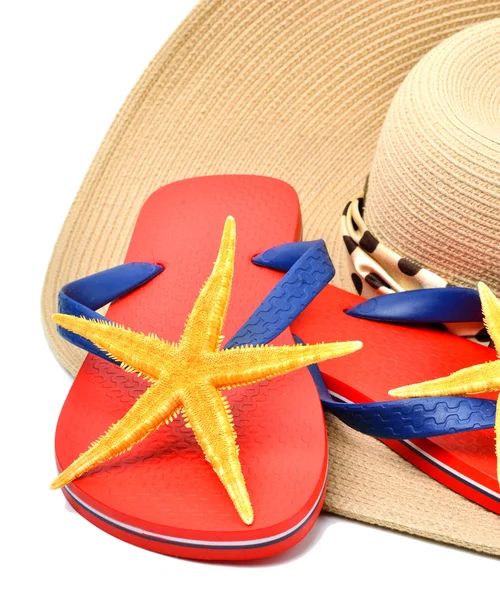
column 396, row 355
column 162, row 494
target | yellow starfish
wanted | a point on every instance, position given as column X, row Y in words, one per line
column 471, row 380
column 187, row 378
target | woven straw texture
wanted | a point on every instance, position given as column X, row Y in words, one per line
column 434, row 192
column 298, row 91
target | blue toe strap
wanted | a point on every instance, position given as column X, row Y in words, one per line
column 416, row 417
column 83, row 297
column 308, row 269
column 440, row 305
column 411, row 418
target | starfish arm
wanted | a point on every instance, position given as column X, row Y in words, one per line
column 209, row 415
column 156, row 406
column 204, row 325
column 142, row 353
column 471, row 380
column 245, row 365
column 490, row 305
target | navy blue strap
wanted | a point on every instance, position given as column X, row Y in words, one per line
column 411, row 418
column 416, row 417
column 308, row 269
column 439, row 305
column 83, row 297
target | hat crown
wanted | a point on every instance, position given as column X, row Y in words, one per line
column 434, row 189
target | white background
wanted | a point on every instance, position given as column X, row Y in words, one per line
column 66, row 69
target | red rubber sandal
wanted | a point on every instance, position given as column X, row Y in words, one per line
column 163, row 494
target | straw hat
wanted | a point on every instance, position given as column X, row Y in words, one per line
column 299, row 91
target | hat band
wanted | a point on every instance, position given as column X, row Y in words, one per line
column 376, row 269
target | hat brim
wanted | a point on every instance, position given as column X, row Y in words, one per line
column 296, row 91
